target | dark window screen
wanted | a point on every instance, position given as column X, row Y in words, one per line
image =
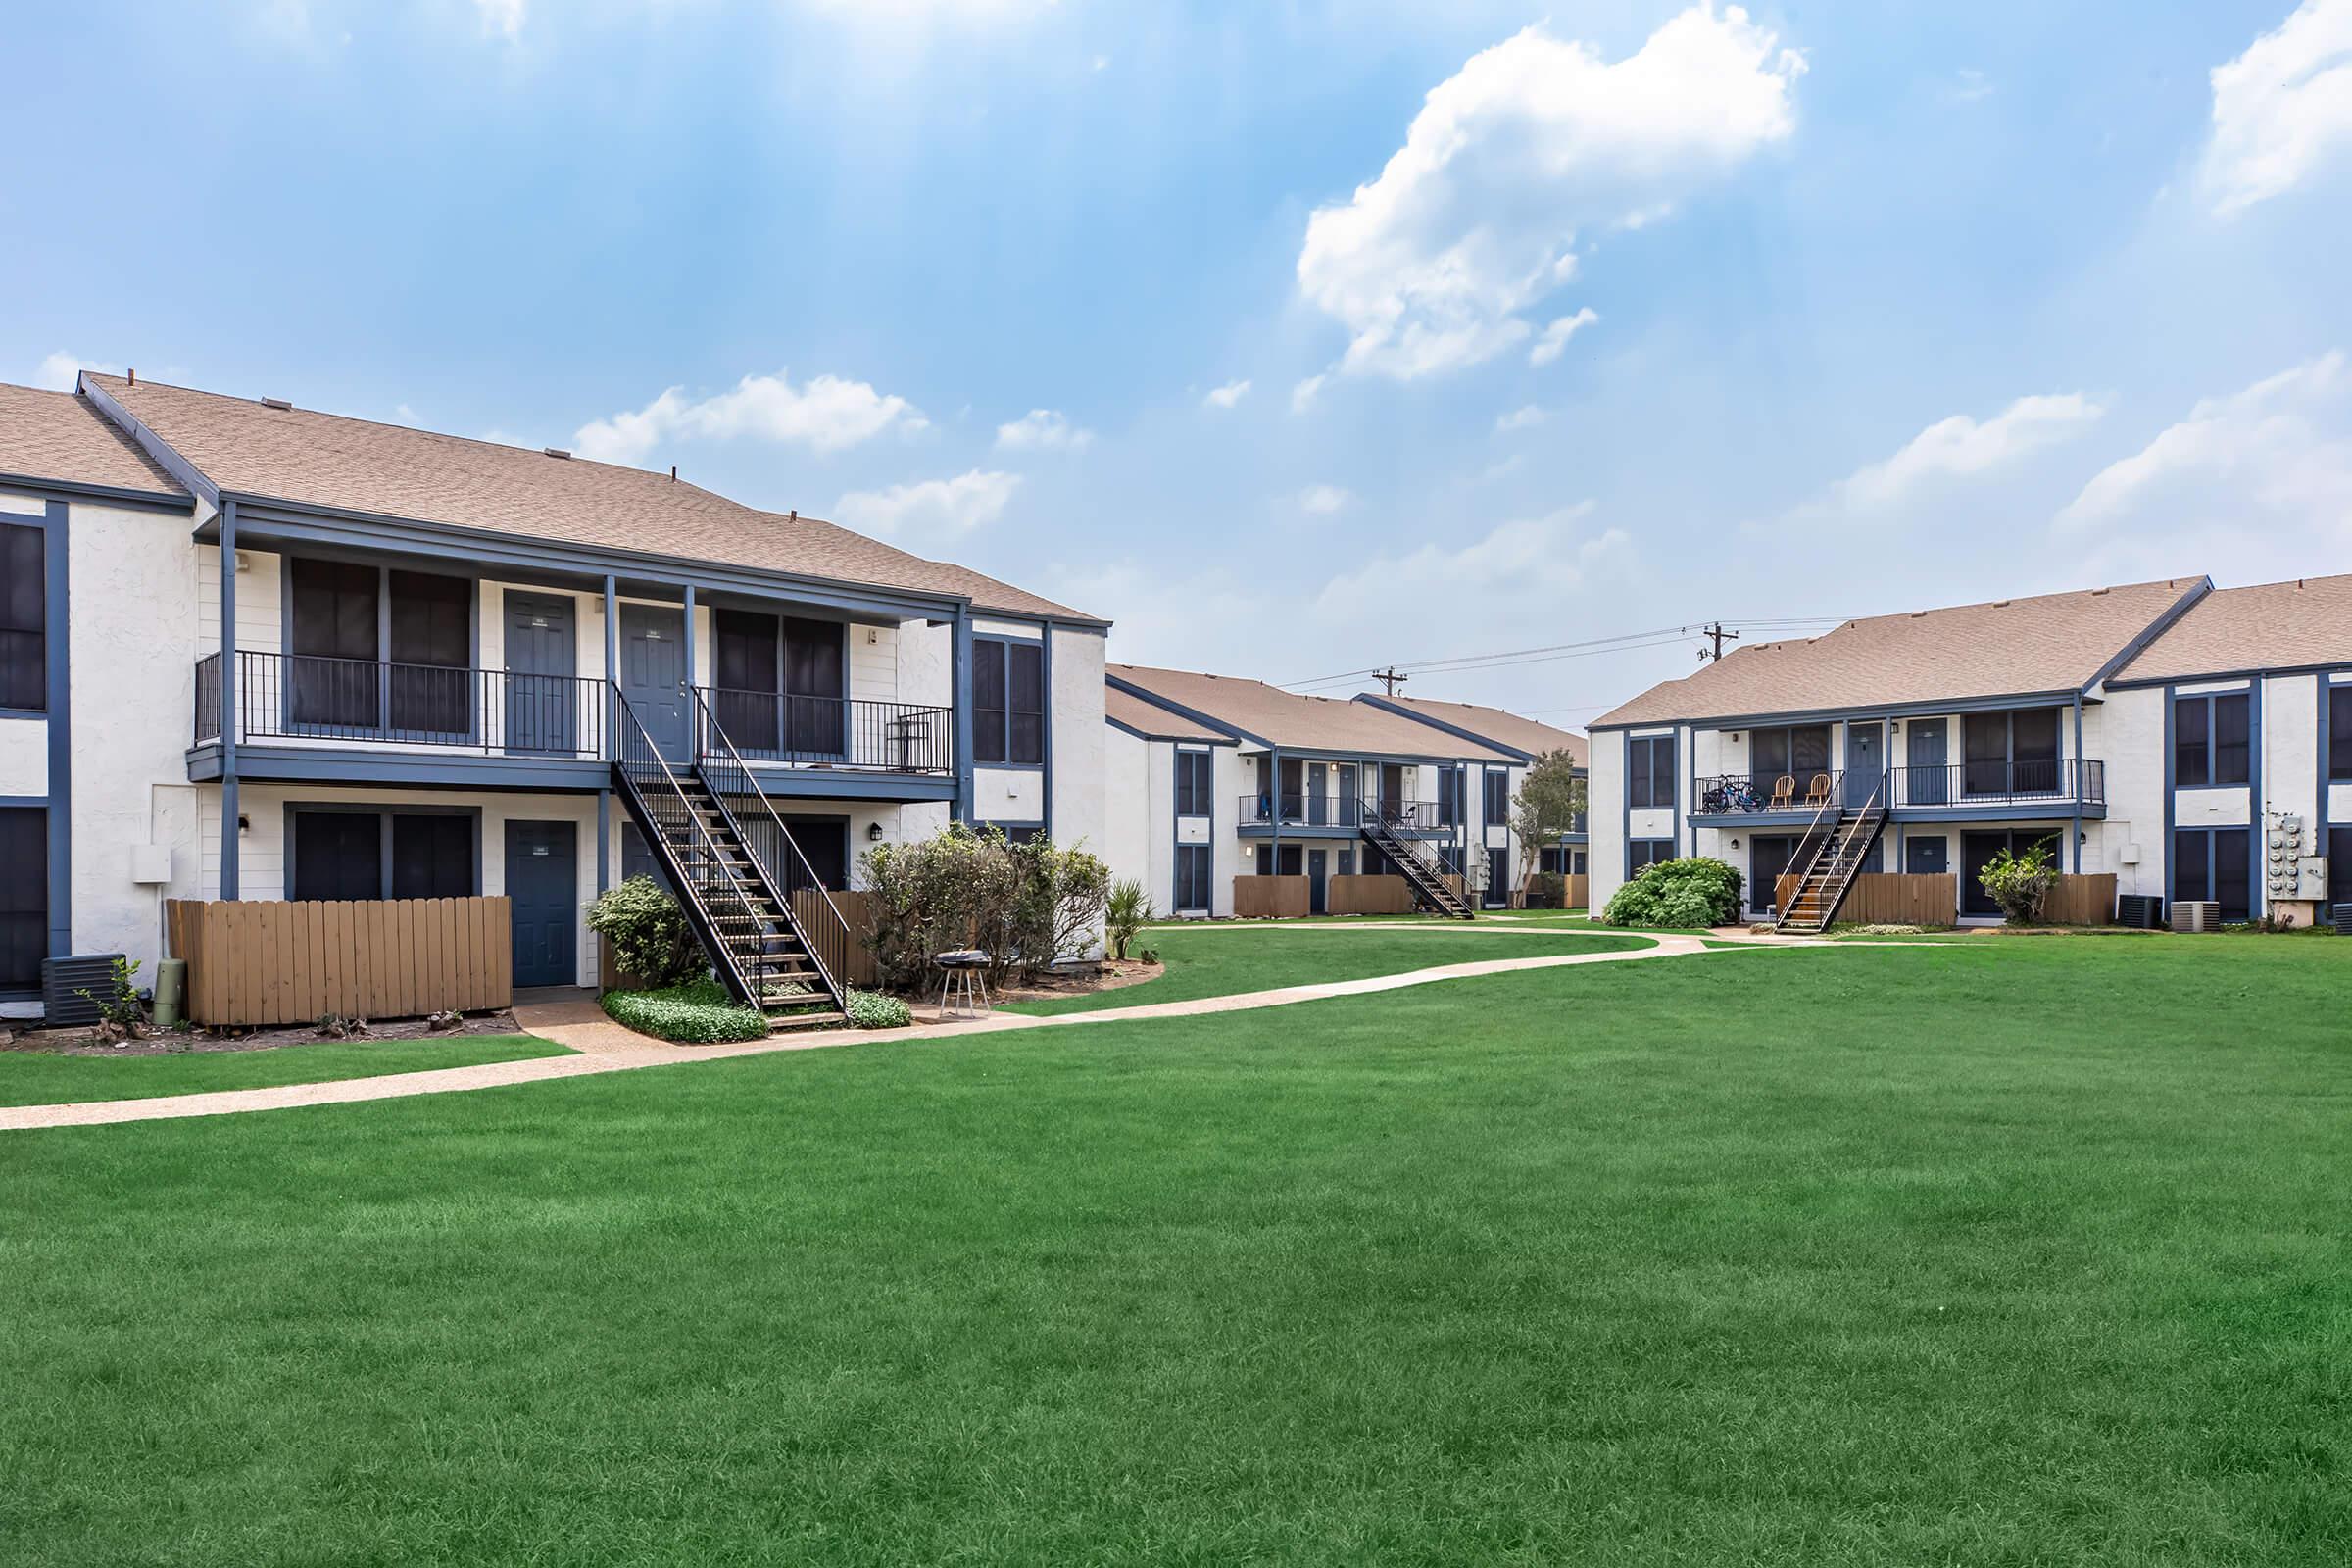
column 432, row 856
column 23, row 895
column 1026, row 740
column 1191, row 784
column 23, row 619
column 430, row 630
column 2232, row 717
column 338, row 855
column 331, row 674
column 813, row 683
column 744, row 660
column 988, row 702
column 2339, row 731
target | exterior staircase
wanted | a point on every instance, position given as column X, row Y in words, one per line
column 744, row 914
column 1830, row 853
column 1419, row 864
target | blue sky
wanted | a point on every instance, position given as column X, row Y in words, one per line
column 1625, row 315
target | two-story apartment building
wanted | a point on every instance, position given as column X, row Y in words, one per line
column 1523, row 740
column 2153, row 730
column 254, row 652
column 1261, row 782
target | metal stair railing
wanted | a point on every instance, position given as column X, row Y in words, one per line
column 700, row 871
column 724, row 772
column 1843, row 851
column 1423, row 867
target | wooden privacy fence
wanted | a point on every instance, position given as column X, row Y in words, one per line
column 857, row 914
column 1890, row 897
column 1881, row 898
column 1368, row 894
column 258, row 963
column 2082, row 900
column 1261, row 897
column 1575, row 891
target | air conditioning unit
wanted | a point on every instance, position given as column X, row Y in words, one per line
column 62, row 980
column 2197, row 914
column 2143, row 911
column 2343, row 919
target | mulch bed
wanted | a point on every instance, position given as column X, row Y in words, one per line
column 179, row 1042
column 1109, row 977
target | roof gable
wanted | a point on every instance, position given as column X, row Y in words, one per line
column 1256, row 710
column 2273, row 625
column 61, row 438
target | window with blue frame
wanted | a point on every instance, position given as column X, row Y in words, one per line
column 23, row 619
column 1008, row 701
column 2339, row 732
column 1649, row 772
column 1642, row 853
column 1497, row 786
column 2215, row 864
column 23, row 895
column 1191, row 784
column 1192, row 878
column 1450, row 795
column 2211, row 739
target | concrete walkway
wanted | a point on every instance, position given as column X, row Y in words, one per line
column 601, row 1045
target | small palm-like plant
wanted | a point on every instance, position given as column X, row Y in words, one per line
column 1125, row 915
column 2021, row 884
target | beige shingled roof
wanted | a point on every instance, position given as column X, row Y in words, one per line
column 59, row 437
column 1498, row 724
column 1311, row 724
column 1150, row 718
column 301, row 455
column 2049, row 643
column 2277, row 625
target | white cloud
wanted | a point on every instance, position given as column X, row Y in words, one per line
column 1554, row 339
column 1960, row 447
column 501, row 18
column 1475, row 219
column 1969, row 86
column 60, row 371
column 1522, row 565
column 1043, row 431
column 2284, row 107
column 1525, row 419
column 824, row 413
column 939, row 509
column 1322, row 500
column 1226, row 396
column 1303, row 395
column 2261, row 480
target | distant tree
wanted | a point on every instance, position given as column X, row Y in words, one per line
column 1550, row 799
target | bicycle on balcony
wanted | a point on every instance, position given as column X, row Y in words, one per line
column 1729, row 794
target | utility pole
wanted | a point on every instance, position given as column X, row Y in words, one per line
column 1720, row 637
column 1388, row 679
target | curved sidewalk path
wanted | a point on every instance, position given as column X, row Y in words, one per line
column 602, row 1046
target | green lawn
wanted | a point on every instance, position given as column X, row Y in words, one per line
column 1223, row 961
column 28, row 1078
column 2031, row 1253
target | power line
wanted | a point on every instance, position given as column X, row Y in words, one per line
column 1623, row 642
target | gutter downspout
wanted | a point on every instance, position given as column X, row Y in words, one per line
column 603, row 796
column 2082, row 777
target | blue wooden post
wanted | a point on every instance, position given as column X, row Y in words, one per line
column 960, row 678
column 230, row 706
column 603, row 796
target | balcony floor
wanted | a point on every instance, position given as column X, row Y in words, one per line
column 350, row 763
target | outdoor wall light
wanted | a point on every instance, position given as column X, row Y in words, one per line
column 873, row 832
column 1735, row 844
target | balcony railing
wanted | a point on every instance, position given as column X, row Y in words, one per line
column 2066, row 781
column 835, row 731
column 1340, row 810
column 305, row 697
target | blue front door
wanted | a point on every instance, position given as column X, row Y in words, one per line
column 542, row 713
column 543, row 886
column 652, row 674
column 1864, row 761
column 1927, row 783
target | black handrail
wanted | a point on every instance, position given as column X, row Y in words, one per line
column 1420, row 864
column 817, row 921
column 312, row 697
column 2065, row 780
column 703, row 874
column 834, row 731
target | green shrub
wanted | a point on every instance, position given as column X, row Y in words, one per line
column 1125, row 915
column 871, row 1009
column 2021, row 884
column 1687, row 893
column 699, row 1012
column 650, row 937
column 1024, row 905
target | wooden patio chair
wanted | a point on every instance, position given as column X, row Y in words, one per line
column 1818, row 795
column 1783, row 793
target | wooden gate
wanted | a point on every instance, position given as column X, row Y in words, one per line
column 260, row 964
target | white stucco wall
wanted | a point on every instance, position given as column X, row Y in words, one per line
column 24, row 756
column 1080, row 814
column 1605, row 796
column 1130, row 804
